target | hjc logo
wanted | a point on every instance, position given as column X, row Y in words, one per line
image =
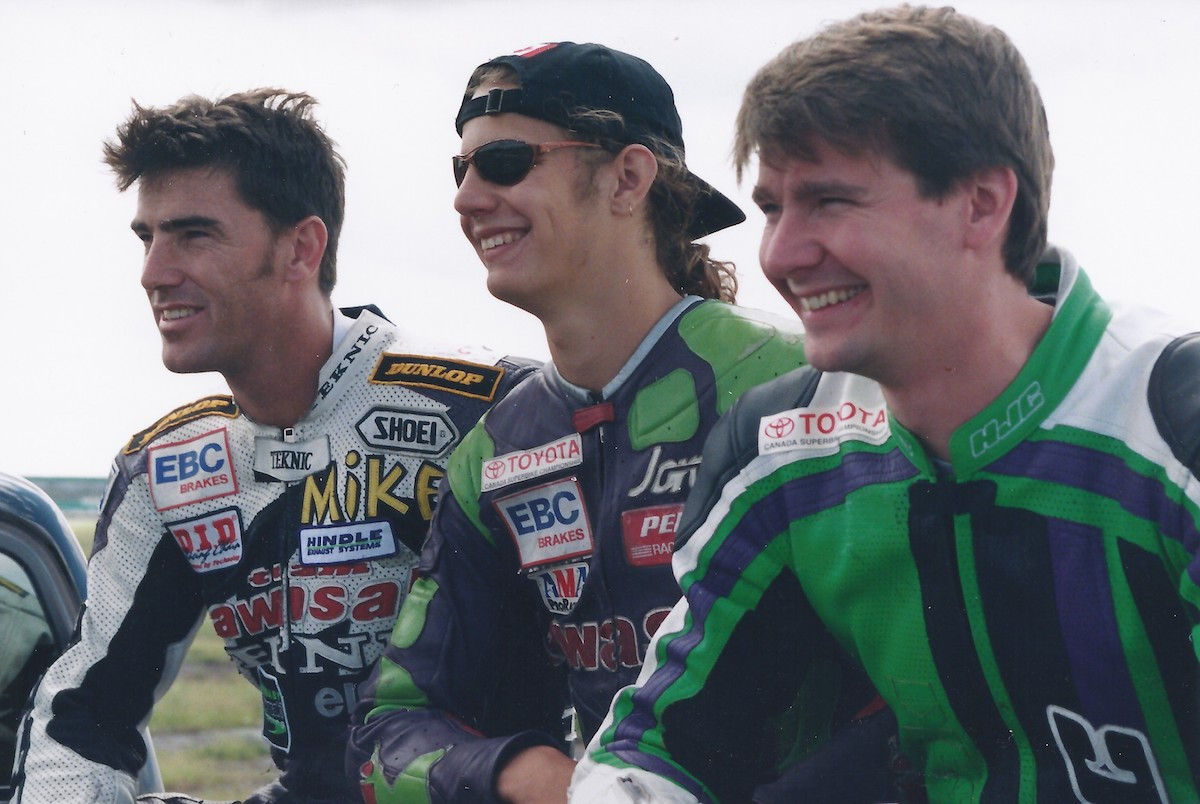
column 1112, row 763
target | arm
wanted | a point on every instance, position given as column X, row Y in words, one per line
column 142, row 611
column 465, row 684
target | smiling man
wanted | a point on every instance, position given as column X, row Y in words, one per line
column 984, row 489
column 548, row 566
column 290, row 512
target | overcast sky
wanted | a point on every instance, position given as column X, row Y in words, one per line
column 80, row 356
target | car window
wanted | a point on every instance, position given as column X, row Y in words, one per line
column 27, row 647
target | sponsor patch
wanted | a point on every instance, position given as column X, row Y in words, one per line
column 218, row 405
column 822, row 427
column 191, row 471
column 513, row 467
column 346, row 360
column 289, row 461
column 276, row 729
column 649, row 534
column 211, row 541
column 423, row 432
column 548, row 523
column 456, row 376
column 561, row 587
column 355, row 541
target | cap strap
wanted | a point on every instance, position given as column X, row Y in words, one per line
column 495, row 101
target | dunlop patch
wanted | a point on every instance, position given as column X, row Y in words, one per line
column 422, row 371
column 216, row 405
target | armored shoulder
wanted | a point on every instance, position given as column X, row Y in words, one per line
column 744, row 347
column 1174, row 398
column 733, row 442
column 217, row 405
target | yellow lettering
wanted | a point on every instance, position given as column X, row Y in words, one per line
column 428, row 478
column 379, row 490
column 319, row 501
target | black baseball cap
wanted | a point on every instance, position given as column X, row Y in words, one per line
column 560, row 79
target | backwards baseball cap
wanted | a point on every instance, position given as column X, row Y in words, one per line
column 560, row 80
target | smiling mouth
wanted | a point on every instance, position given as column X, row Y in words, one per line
column 176, row 313
column 488, row 243
column 813, row 303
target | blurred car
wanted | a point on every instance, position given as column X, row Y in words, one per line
column 43, row 583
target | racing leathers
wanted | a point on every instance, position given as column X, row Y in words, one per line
column 298, row 544
column 548, row 563
column 1028, row 608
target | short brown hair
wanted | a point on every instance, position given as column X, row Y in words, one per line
column 284, row 164
column 940, row 94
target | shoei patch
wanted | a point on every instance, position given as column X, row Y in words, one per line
column 548, row 523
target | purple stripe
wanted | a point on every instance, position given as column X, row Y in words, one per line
column 794, row 499
column 1089, row 625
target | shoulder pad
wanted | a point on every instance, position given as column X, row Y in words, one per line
column 733, row 442
column 1174, row 397
column 216, row 405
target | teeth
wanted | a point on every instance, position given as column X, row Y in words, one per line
column 179, row 312
column 810, row 303
column 499, row 240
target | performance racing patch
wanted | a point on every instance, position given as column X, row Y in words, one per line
column 649, row 534
column 821, row 428
column 456, row 376
column 526, row 464
column 211, row 541
column 191, row 471
column 548, row 523
column 561, row 587
column 355, row 541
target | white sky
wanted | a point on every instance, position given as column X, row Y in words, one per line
column 80, row 355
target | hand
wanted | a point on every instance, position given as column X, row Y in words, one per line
column 538, row 775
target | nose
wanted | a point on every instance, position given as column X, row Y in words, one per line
column 159, row 266
column 475, row 196
column 788, row 244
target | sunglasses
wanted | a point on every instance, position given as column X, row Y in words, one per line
column 507, row 162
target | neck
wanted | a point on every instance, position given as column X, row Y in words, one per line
column 967, row 373
column 592, row 335
column 283, row 384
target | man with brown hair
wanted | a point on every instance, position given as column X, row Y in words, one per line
column 290, row 513
column 984, row 488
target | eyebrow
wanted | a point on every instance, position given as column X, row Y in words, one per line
column 808, row 190
column 175, row 224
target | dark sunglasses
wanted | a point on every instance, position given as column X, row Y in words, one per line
column 507, row 162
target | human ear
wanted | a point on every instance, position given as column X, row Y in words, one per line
column 991, row 193
column 635, row 168
column 306, row 242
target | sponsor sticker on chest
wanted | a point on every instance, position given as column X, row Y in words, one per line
column 211, row 541
column 526, row 464
column 548, row 523
column 649, row 534
column 354, row 541
column 562, row 586
column 191, row 471
column 821, row 428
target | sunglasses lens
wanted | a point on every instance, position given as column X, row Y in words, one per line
column 503, row 162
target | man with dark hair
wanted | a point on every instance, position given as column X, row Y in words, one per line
column 292, row 511
column 548, row 564
column 984, row 488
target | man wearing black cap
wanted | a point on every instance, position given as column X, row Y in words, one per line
column 548, row 564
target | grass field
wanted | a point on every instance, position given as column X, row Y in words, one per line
column 206, row 730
